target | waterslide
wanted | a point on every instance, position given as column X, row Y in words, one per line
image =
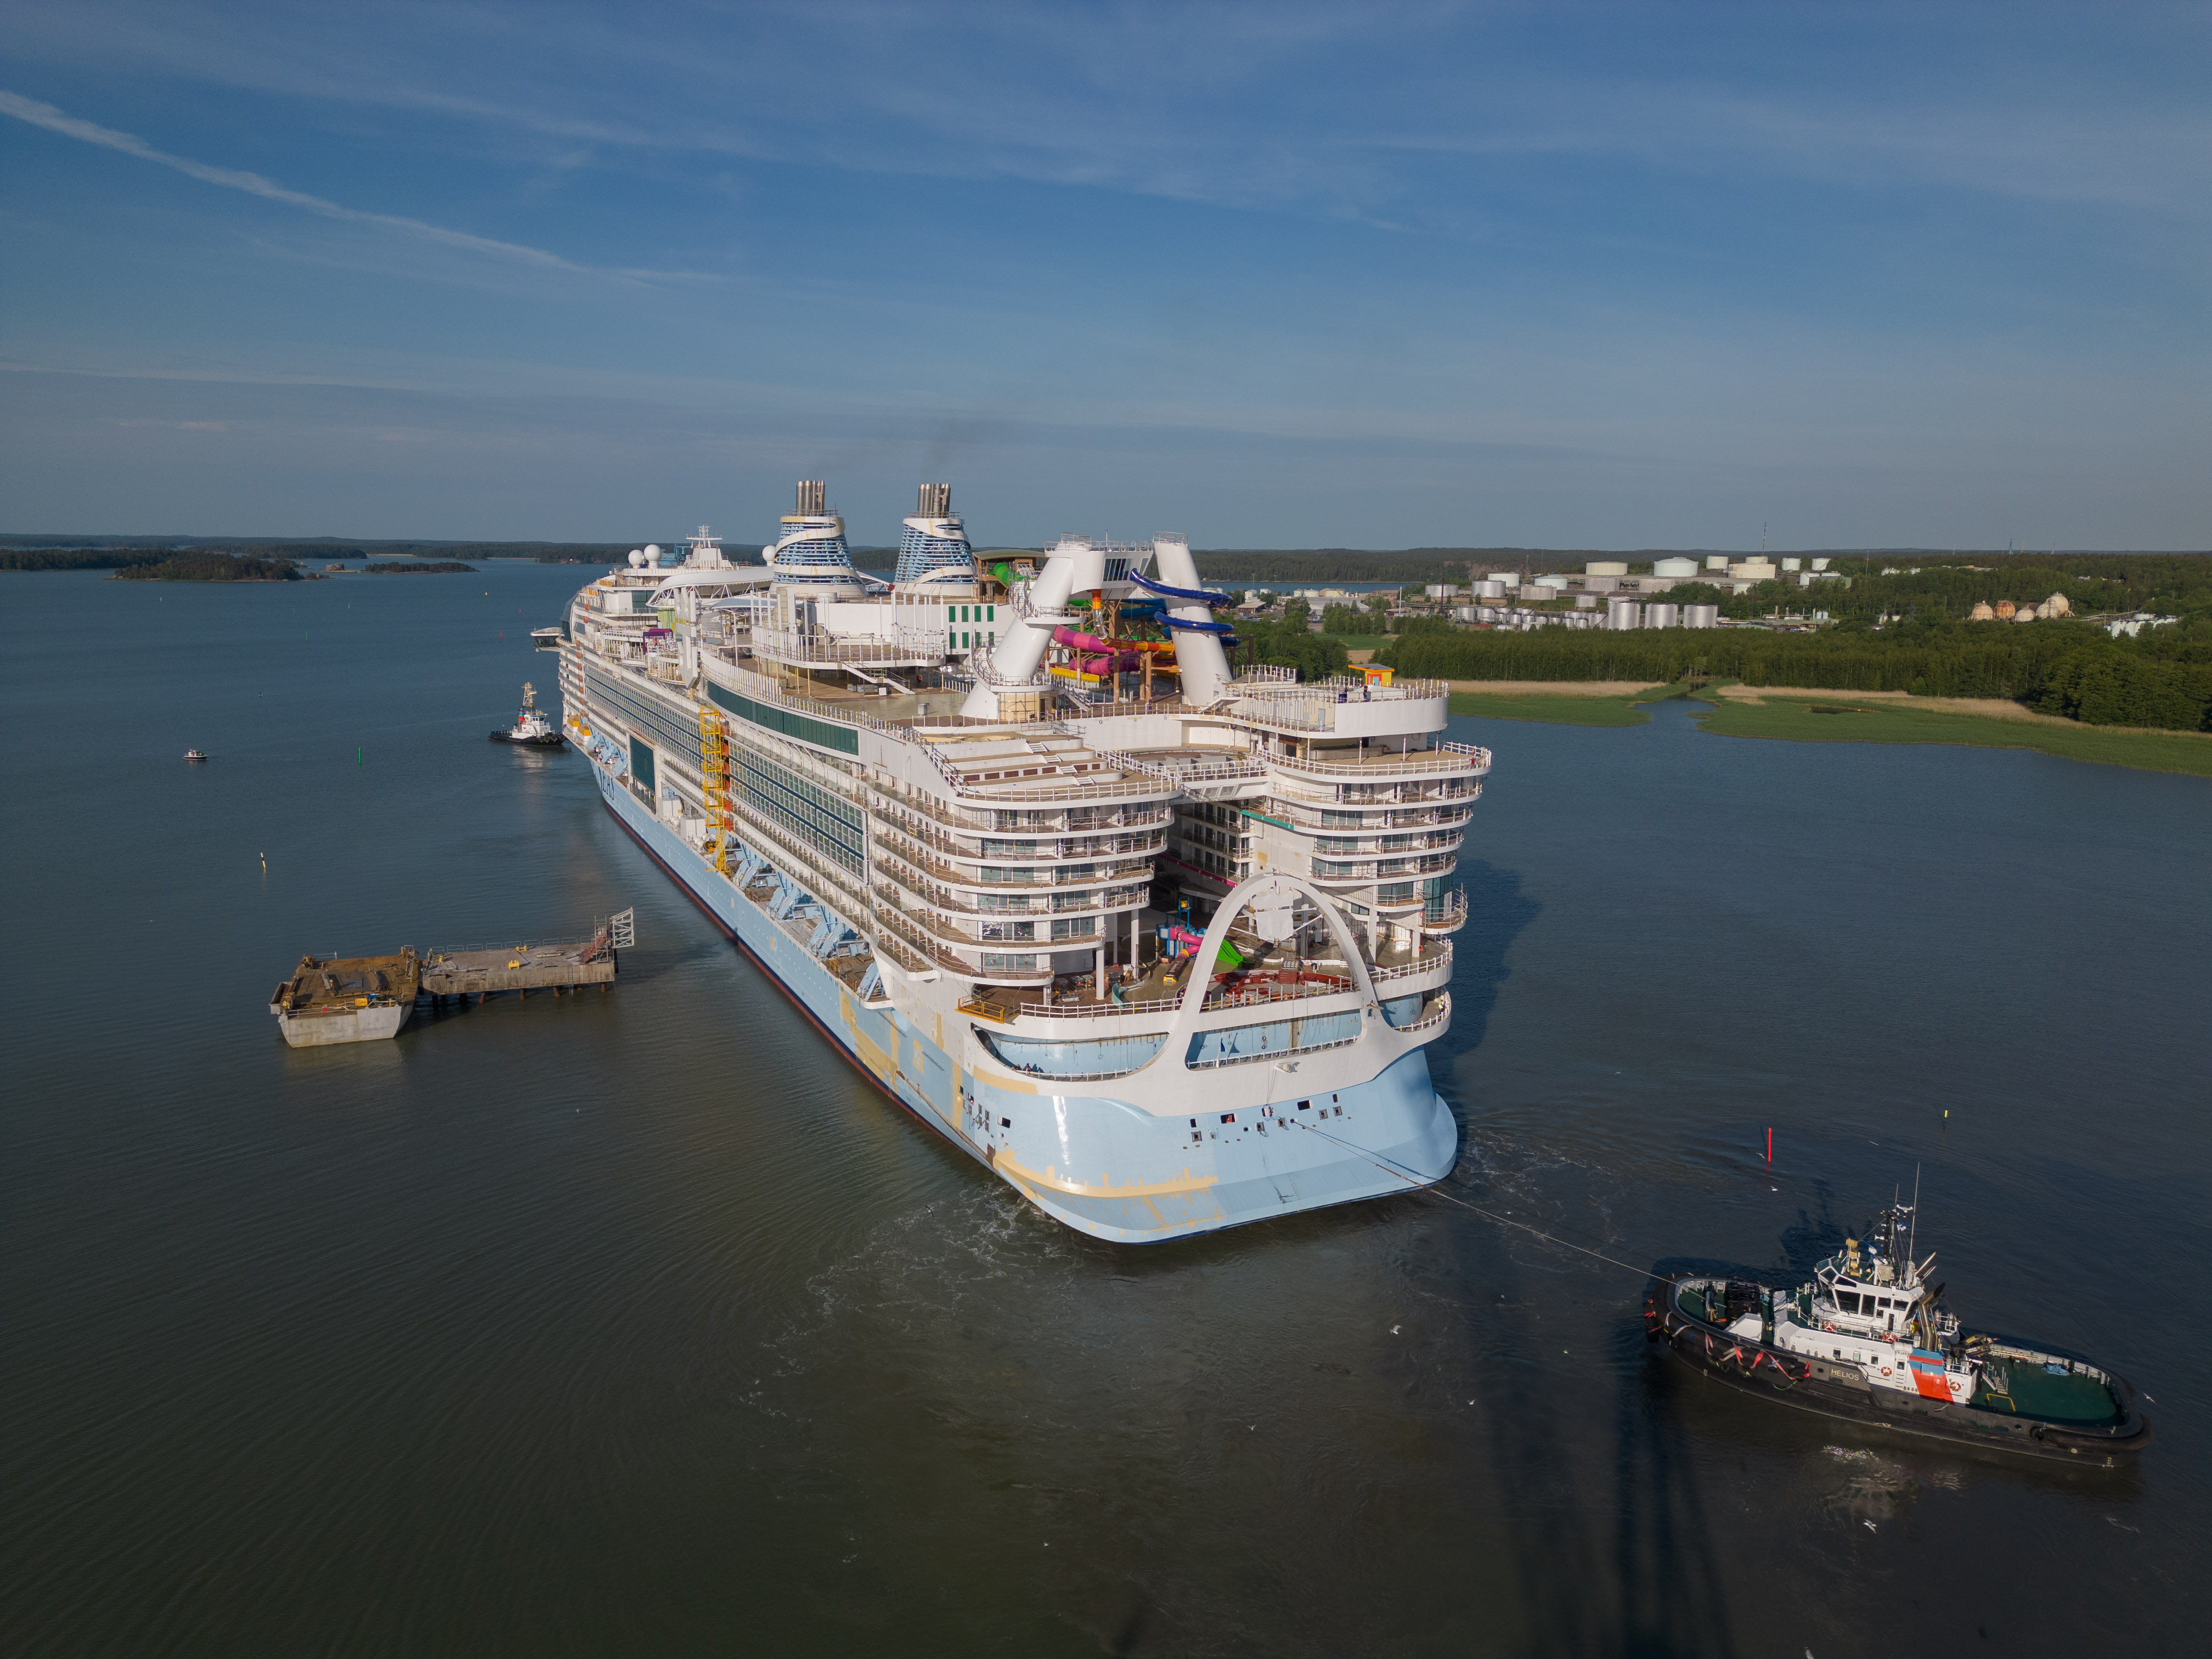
column 1189, row 596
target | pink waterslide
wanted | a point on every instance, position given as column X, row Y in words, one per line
column 1111, row 663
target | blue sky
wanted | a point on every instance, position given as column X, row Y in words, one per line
column 1271, row 275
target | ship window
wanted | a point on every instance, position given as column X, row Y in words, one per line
column 1305, row 1105
column 1229, row 1117
column 990, row 613
column 1848, row 1301
column 1005, row 1123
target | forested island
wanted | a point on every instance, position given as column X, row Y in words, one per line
column 412, row 568
column 199, row 566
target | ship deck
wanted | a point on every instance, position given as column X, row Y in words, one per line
column 1268, row 975
column 2031, row 1390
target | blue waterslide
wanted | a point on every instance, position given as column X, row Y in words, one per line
column 1188, row 595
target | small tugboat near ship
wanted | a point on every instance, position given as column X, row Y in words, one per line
column 1869, row 1341
column 531, row 730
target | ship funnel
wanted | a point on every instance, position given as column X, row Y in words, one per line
column 812, row 493
column 936, row 501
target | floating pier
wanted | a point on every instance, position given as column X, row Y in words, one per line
column 362, row 998
column 524, row 967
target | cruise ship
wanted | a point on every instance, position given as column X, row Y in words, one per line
column 1160, row 942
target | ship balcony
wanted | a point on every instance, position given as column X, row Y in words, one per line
column 1430, row 965
column 1353, row 872
column 1098, row 900
column 1313, row 820
column 1408, row 795
column 966, row 849
column 1074, row 820
column 1446, row 913
column 1335, row 844
column 890, row 844
column 1002, row 933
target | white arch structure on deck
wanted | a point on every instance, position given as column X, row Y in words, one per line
column 1238, row 900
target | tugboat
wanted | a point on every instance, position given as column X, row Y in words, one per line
column 531, row 730
column 1868, row 1340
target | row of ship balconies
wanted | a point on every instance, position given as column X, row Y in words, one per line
column 967, row 888
column 1057, row 821
column 971, row 850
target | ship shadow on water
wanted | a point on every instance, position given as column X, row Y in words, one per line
column 1497, row 913
column 1645, row 1580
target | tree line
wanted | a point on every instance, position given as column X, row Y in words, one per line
column 2063, row 668
column 202, row 567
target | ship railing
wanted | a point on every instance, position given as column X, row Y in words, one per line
column 1351, row 844
column 1098, row 900
column 1187, row 770
column 887, row 844
column 1437, row 757
column 1435, row 1014
column 1035, row 777
column 1309, row 816
column 1354, row 688
column 1124, row 707
column 1437, row 954
column 1242, row 990
column 1268, row 677
column 1326, row 870
column 988, row 821
column 948, row 851
column 1271, row 1053
column 1412, row 790
column 1084, row 850
column 1446, row 911
column 939, row 924
column 905, row 645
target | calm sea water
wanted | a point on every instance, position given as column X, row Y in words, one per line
column 638, row 1323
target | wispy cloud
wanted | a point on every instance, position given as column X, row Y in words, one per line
column 39, row 114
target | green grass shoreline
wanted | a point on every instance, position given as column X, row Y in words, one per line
column 1794, row 720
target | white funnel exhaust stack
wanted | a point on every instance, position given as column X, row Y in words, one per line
column 1203, row 664
column 1021, row 647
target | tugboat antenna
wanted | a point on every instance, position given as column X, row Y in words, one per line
column 1913, row 1232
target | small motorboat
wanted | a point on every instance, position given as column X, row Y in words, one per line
column 531, row 730
column 1868, row 1340
column 195, row 755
